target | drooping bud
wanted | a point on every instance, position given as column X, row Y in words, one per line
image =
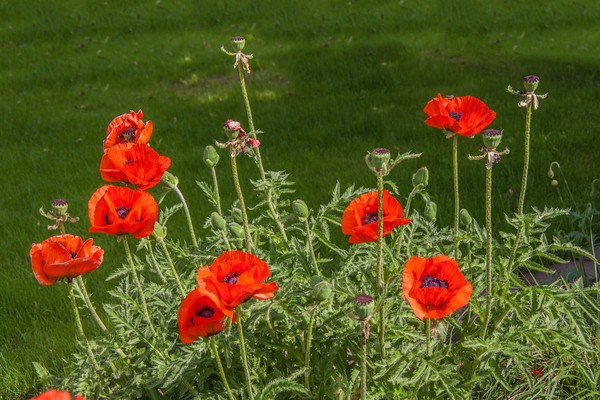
column 238, row 42
column 210, row 156
column 421, row 177
column 159, row 232
column 59, row 207
column 465, row 217
column 170, row 179
column 492, row 138
column 363, row 306
column 300, row 209
column 236, row 213
column 430, row 212
column 236, row 230
column 217, row 221
column 378, row 159
column 321, row 291
column 530, row 82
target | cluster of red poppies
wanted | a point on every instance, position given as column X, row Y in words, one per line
column 233, row 278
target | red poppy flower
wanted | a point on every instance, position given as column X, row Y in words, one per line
column 118, row 210
column 64, row 256
column 434, row 287
column 359, row 219
column 134, row 163
column 237, row 276
column 128, row 128
column 464, row 115
column 200, row 315
column 56, row 395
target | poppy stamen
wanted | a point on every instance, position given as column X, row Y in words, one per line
column 128, row 135
column 73, row 255
column 231, row 278
column 455, row 115
column 130, row 162
column 205, row 312
column 122, row 211
column 370, row 217
column 432, row 281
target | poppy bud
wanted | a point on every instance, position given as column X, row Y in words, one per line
column 159, row 232
column 236, row 213
column 531, row 83
column 210, row 156
column 236, row 230
column 300, row 209
column 321, row 291
column 492, row 138
column 217, row 222
column 430, row 212
column 465, row 217
column 554, row 183
column 378, row 159
column 60, row 207
column 363, row 306
column 421, row 177
column 238, row 42
column 170, row 179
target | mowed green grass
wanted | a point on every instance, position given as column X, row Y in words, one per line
column 331, row 80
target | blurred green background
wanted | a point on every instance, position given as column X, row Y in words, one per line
column 331, row 80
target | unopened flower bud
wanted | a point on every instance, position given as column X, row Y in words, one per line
column 550, row 173
column 379, row 159
column 314, row 280
column 531, row 83
column 300, row 209
column 554, row 183
column 232, row 128
column 170, row 179
column 238, row 42
column 492, row 138
column 236, row 230
column 421, row 177
column 60, row 207
column 210, row 156
column 321, row 291
column 159, row 232
column 217, row 222
column 430, row 212
column 236, row 213
column 465, row 217
column 363, row 306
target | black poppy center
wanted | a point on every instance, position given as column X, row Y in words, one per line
column 231, row 278
column 455, row 115
column 122, row 211
column 73, row 255
column 370, row 217
column 128, row 135
column 432, row 281
column 205, row 312
column 129, row 162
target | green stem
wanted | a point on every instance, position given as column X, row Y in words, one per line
column 513, row 252
column 311, row 250
column 245, row 358
column 380, row 272
column 456, row 196
column 363, row 361
column 398, row 244
column 165, row 250
column 311, row 323
column 240, row 195
column 213, row 346
column 187, row 213
column 80, row 285
column 216, row 189
column 155, row 263
column 525, row 159
column 80, row 329
column 224, row 237
column 138, row 285
column 427, row 336
column 488, row 249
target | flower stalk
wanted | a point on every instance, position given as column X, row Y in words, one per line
column 380, row 272
column 215, row 351
column 488, row 249
column 244, row 356
column 213, row 172
column 427, row 337
column 240, row 196
column 165, row 250
column 309, row 334
column 311, row 250
column 456, row 195
column 88, row 348
column 363, row 359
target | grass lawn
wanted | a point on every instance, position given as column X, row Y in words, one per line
column 331, row 80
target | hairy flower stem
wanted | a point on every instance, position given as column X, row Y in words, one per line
column 138, row 285
column 427, row 337
column 165, row 250
column 213, row 346
column 488, row 249
column 245, row 359
column 380, row 274
column 80, row 329
column 400, row 238
column 456, row 197
column 363, row 360
column 187, row 213
column 309, row 334
column 155, row 263
column 80, row 285
column 213, row 172
column 261, row 168
column 224, row 237
column 240, row 195
column 311, row 250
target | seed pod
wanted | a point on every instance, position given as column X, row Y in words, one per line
column 363, row 306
